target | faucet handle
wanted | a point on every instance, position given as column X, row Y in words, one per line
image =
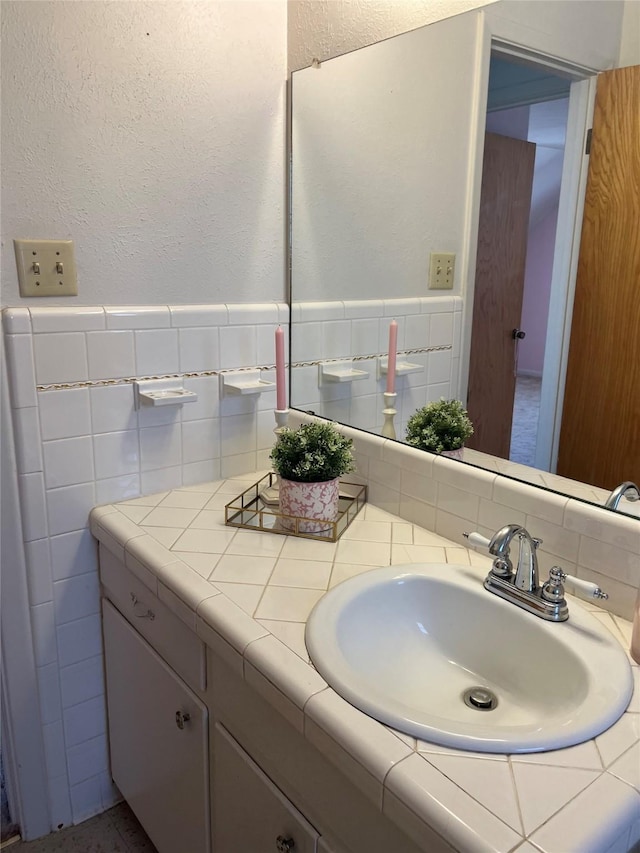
column 536, row 542
column 477, row 540
column 553, row 589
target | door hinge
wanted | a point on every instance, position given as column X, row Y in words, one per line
column 587, row 147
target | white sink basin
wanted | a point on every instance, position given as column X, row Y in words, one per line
column 403, row 644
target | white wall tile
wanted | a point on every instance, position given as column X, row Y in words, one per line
column 417, row 332
column 157, row 352
column 86, row 759
column 44, row 633
column 54, row 319
column 336, row 339
column 237, row 434
column 60, row 802
column 199, row 349
column 38, row 562
column 54, row 749
column 160, row 447
column 246, row 312
column 439, row 367
column 307, row 342
column 441, row 330
column 79, row 640
column 161, row 479
column 68, row 508
column 16, row 321
column 112, row 408
column 198, row 315
column 152, row 416
column 73, row 554
column 266, row 344
column 200, row 472
column 61, row 357
column 85, row 721
column 64, row 413
column 200, row 440
column 111, row 355
column 27, row 440
column 86, row 799
column 238, row 347
column 22, row 376
column 114, row 489
column 355, row 309
column 68, row 461
column 116, row 453
column 81, row 681
column 33, row 506
column 49, row 693
column 137, row 317
column 319, row 312
column 76, row 597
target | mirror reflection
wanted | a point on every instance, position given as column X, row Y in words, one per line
column 383, row 229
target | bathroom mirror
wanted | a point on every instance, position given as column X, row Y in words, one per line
column 383, row 175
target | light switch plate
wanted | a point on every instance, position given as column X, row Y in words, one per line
column 441, row 270
column 46, row 267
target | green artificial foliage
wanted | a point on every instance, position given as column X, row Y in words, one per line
column 443, row 425
column 313, row 453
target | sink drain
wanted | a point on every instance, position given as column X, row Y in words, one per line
column 480, row 698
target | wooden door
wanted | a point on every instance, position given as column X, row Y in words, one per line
column 505, row 201
column 600, row 431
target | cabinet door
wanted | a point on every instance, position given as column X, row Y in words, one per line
column 158, row 741
column 250, row 814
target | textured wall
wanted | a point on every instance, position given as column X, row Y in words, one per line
column 152, row 134
column 320, row 29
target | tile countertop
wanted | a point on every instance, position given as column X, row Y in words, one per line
column 583, row 798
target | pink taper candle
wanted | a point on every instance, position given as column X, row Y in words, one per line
column 281, row 388
column 391, row 361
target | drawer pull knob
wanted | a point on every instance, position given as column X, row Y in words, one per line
column 140, row 610
column 285, row 845
column 182, row 717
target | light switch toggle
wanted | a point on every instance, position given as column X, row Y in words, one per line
column 60, row 268
column 35, row 268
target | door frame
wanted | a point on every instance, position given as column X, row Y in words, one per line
column 573, row 187
column 567, row 242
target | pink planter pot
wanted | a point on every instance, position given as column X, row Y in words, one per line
column 309, row 500
column 453, row 454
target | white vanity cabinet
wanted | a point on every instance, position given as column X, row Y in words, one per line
column 250, row 813
column 206, row 764
column 158, row 740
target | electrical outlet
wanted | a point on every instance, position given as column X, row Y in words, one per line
column 441, row 269
column 46, row 267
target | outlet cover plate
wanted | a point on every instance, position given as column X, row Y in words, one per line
column 39, row 271
column 442, row 267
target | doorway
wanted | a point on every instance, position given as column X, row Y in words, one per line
column 527, row 102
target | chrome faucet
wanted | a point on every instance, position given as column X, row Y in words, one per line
column 630, row 491
column 526, row 577
column 522, row 587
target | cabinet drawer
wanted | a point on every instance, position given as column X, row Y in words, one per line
column 171, row 638
column 249, row 813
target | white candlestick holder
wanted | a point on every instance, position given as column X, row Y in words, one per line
column 389, row 412
column 271, row 495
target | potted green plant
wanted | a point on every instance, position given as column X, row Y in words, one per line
column 441, row 427
column 310, row 460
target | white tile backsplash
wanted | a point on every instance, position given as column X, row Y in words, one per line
column 111, row 355
column 62, row 357
column 156, row 352
column 152, row 451
column 65, row 413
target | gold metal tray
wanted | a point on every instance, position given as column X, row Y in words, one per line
column 249, row 511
